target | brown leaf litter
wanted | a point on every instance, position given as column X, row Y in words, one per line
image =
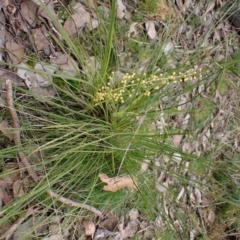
column 116, row 183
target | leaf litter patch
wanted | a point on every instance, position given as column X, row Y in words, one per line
column 29, row 16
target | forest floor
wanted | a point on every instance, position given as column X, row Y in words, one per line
column 142, row 96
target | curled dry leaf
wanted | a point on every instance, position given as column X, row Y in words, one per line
column 116, row 183
column 89, row 227
column 121, row 9
column 211, row 216
column 132, row 30
column 151, row 31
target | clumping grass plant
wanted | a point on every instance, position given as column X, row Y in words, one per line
column 101, row 122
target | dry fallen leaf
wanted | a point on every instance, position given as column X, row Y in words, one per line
column 5, row 196
column 131, row 228
column 15, row 51
column 89, row 227
column 211, row 216
column 116, row 183
column 44, row 80
column 78, row 20
column 196, row 196
column 110, row 222
column 121, row 9
column 133, row 214
column 28, row 12
column 177, row 140
column 39, row 38
column 151, row 31
column 7, row 74
column 38, row 85
column 66, row 63
column 46, row 10
column 6, row 182
column 92, row 24
column 132, row 30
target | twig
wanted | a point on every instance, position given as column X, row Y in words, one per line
column 16, row 135
column 8, row 234
column 74, row 204
column 9, row 100
column 24, row 158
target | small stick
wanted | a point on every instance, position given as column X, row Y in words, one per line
column 9, row 100
column 74, row 203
